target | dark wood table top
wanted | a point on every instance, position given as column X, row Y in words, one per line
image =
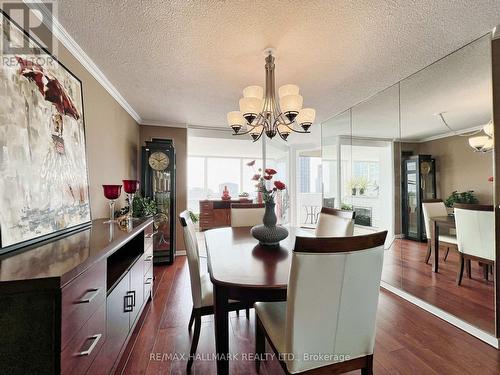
column 235, row 258
column 62, row 259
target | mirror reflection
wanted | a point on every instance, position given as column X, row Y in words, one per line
column 416, row 160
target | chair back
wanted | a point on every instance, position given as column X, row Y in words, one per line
column 246, row 214
column 193, row 257
column 475, row 230
column 335, row 223
column 432, row 208
column 340, row 277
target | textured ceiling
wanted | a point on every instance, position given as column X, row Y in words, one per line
column 186, row 62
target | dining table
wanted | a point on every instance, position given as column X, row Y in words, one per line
column 438, row 223
column 242, row 269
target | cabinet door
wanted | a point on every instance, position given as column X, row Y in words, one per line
column 221, row 218
column 118, row 307
column 136, row 289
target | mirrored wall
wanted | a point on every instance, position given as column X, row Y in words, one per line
column 406, row 160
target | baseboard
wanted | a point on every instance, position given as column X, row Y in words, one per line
column 459, row 323
column 180, row 252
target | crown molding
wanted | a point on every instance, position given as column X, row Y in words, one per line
column 72, row 46
column 445, row 135
column 163, row 124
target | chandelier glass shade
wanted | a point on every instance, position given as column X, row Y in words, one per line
column 262, row 111
column 483, row 143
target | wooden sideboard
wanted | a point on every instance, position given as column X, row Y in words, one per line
column 70, row 305
column 217, row 213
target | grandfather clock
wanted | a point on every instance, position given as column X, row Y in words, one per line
column 158, row 182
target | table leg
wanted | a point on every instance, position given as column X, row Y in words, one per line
column 435, row 250
column 221, row 329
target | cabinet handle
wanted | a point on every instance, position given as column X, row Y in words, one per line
column 95, row 339
column 149, row 258
column 132, row 294
column 127, row 307
column 89, row 298
column 148, row 280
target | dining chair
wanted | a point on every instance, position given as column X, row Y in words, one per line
column 201, row 286
column 340, row 277
column 246, row 214
column 475, row 236
column 435, row 208
column 335, row 223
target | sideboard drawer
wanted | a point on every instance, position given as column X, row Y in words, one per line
column 148, row 283
column 83, row 348
column 80, row 299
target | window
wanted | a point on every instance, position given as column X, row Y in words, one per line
column 196, row 182
column 223, row 172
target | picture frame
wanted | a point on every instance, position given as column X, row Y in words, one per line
column 44, row 180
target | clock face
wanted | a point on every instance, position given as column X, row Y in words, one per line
column 159, row 161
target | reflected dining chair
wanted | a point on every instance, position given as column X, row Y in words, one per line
column 475, row 236
column 246, row 214
column 201, row 286
column 340, row 277
column 335, row 223
column 435, row 208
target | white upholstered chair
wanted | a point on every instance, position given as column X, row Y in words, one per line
column 201, row 286
column 435, row 208
column 335, row 223
column 475, row 236
column 246, row 214
column 340, row 277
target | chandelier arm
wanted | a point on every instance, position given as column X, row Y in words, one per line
column 297, row 131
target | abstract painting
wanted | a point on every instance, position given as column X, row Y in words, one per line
column 43, row 169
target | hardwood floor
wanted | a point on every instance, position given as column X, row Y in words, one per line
column 473, row 301
column 409, row 340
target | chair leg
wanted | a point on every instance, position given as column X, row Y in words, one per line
column 237, row 312
column 191, row 320
column 428, row 255
column 460, row 272
column 446, row 254
column 247, row 311
column 368, row 370
column 260, row 342
column 469, row 269
column 194, row 343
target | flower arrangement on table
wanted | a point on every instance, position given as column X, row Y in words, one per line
column 268, row 233
column 260, row 179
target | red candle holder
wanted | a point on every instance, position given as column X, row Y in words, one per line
column 112, row 192
column 130, row 187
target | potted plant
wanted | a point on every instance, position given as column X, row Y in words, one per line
column 362, row 185
column 466, row 197
column 353, row 184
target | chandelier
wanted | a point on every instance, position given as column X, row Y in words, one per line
column 265, row 113
column 483, row 143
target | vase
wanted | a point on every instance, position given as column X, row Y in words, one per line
column 268, row 233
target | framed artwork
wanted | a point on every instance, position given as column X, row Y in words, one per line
column 44, row 188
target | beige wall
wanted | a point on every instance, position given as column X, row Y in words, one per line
column 112, row 137
column 458, row 167
column 179, row 137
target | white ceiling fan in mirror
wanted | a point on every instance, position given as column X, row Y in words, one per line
column 479, row 143
column 261, row 111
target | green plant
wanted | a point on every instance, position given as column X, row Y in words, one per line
column 194, row 217
column 346, row 207
column 143, row 206
column 467, row 197
column 362, row 182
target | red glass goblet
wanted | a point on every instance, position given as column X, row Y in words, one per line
column 112, row 192
column 130, row 187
